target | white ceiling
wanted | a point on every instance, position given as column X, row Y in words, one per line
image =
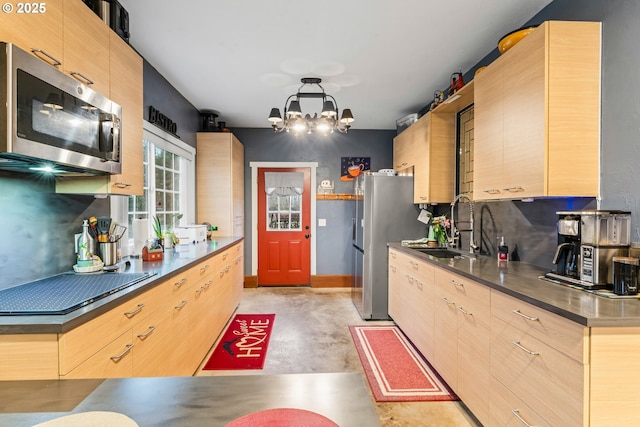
column 381, row 58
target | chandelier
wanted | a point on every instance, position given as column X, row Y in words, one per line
column 296, row 122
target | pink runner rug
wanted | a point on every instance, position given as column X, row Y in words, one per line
column 396, row 371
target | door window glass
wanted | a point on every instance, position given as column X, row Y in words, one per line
column 284, row 212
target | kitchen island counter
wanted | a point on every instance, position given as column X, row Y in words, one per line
column 173, row 263
column 522, row 281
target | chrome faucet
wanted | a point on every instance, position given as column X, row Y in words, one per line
column 453, row 240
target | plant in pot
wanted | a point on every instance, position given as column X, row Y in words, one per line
column 166, row 238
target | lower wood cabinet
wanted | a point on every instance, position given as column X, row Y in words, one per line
column 513, row 363
column 165, row 331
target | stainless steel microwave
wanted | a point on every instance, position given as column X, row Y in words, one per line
column 51, row 121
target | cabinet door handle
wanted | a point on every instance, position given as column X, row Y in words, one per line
column 123, row 354
column 393, row 255
column 492, row 191
column 203, row 269
column 445, row 299
column 465, row 312
column 181, row 306
column 533, row 319
column 206, row 285
column 132, row 313
column 517, row 344
column 199, row 291
column 146, row 334
column 455, row 283
column 122, row 185
column 82, row 79
column 180, row 283
column 393, row 268
column 419, row 285
column 516, row 412
column 54, row 61
column 516, row 189
column 224, row 256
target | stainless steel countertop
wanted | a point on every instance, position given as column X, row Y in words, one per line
column 174, row 261
column 521, row 280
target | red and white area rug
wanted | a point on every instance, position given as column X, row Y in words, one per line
column 244, row 343
column 396, row 371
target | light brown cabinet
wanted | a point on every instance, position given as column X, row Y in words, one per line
column 86, row 46
column 39, row 33
column 537, row 115
column 220, row 182
column 426, row 149
column 126, row 89
column 463, row 333
column 166, row 330
column 411, row 299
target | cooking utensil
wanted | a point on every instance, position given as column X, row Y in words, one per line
column 117, row 232
column 93, row 221
column 103, row 225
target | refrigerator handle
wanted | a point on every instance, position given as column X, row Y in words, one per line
column 353, row 231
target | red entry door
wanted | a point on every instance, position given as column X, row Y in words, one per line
column 284, row 233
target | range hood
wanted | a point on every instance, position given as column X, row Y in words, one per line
column 23, row 164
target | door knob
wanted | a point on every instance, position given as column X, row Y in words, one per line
column 306, row 227
column 306, row 236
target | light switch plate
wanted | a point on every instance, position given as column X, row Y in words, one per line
column 322, row 222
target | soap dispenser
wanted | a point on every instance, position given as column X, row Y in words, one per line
column 503, row 250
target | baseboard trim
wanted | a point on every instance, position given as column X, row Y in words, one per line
column 318, row 281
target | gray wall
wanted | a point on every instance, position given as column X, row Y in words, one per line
column 333, row 241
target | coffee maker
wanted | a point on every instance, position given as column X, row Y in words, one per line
column 587, row 242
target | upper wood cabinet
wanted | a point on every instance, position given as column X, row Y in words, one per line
column 537, row 116
column 126, row 89
column 427, row 150
column 86, row 46
column 40, row 33
column 220, row 182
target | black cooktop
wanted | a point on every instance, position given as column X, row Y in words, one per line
column 64, row 293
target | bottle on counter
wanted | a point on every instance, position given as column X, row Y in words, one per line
column 503, row 251
column 86, row 246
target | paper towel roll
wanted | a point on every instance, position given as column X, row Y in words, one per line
column 140, row 235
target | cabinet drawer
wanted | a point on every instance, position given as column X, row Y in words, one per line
column 80, row 343
column 564, row 335
column 417, row 267
column 550, row 382
column 113, row 361
column 506, row 410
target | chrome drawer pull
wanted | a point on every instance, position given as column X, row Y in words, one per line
column 53, row 62
column 224, row 256
column 445, row 299
column 465, row 312
column 517, row 344
column 393, row 268
column 199, row 291
column 206, row 285
column 86, row 79
column 203, row 269
column 393, row 255
column 492, row 191
column 132, row 313
column 410, row 279
column 516, row 412
column 419, row 284
column 516, row 189
column 146, row 334
column 123, row 354
column 415, row 265
column 181, row 282
column 533, row 319
column 122, row 185
column 181, row 306
column 455, row 283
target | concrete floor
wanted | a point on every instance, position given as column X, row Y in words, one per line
column 311, row 335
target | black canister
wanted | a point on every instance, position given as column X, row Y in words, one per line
column 625, row 275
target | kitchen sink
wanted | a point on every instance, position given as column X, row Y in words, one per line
column 441, row 253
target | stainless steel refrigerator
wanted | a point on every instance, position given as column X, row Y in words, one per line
column 384, row 212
